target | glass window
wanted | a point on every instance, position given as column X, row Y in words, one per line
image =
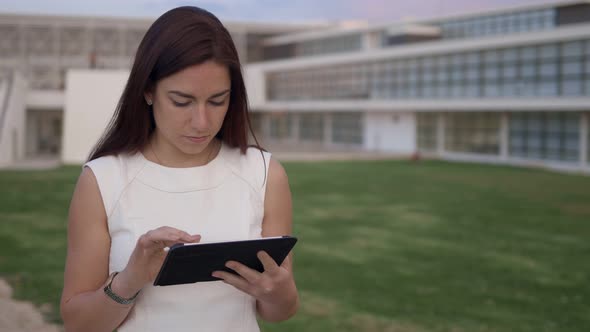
column 572, row 68
column 347, row 128
column 509, row 71
column 457, row 74
column 491, row 89
column 549, row 51
column 311, row 127
column 571, row 87
column 548, row 69
column 456, row 90
column 528, row 53
column 426, row 131
column 428, row 91
column 547, row 88
column 491, row 56
column 509, row 88
column 491, row 71
column 549, row 136
column 510, row 55
column 472, row 90
column 472, row 58
column 572, row 49
column 280, row 126
column 473, row 133
column 527, row 70
column 472, row 73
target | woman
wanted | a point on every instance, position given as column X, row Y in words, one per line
column 175, row 166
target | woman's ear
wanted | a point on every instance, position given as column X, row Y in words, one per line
column 148, row 98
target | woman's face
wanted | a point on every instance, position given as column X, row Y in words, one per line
column 189, row 107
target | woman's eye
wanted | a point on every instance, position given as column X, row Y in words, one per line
column 217, row 103
column 181, row 104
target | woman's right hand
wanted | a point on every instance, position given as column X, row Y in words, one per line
column 147, row 258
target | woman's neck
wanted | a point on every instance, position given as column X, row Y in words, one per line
column 169, row 156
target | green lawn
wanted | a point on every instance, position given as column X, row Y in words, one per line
column 384, row 245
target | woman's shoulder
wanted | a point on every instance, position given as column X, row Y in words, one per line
column 252, row 165
column 111, row 167
column 253, row 154
column 115, row 162
column 113, row 173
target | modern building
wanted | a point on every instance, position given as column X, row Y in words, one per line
column 510, row 86
column 37, row 52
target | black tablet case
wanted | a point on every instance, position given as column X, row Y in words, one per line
column 186, row 264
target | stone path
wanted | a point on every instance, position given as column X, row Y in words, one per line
column 19, row 316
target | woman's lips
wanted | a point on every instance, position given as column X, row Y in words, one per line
column 196, row 139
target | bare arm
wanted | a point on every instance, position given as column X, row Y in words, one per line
column 84, row 306
column 278, row 215
column 274, row 289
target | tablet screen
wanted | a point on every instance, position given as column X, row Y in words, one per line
column 195, row 262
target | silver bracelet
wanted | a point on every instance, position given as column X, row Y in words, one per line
column 109, row 292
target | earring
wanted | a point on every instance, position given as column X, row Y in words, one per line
column 149, row 102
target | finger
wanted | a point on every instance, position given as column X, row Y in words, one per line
column 234, row 280
column 268, row 262
column 252, row 276
column 287, row 263
column 182, row 236
column 174, row 235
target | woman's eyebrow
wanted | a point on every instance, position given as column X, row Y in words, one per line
column 189, row 96
column 182, row 94
column 220, row 93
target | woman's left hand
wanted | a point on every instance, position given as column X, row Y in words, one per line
column 274, row 285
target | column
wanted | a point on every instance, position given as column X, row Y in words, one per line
column 265, row 126
column 440, row 134
column 295, row 127
column 327, row 129
column 56, row 72
column 584, row 139
column 504, row 135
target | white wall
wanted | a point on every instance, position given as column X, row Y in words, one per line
column 90, row 101
column 12, row 142
column 45, row 100
column 390, row 132
column 255, row 85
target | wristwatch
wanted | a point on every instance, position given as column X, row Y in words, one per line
column 109, row 292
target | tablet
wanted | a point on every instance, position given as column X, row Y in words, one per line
column 188, row 263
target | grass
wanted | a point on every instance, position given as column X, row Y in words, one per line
column 384, row 245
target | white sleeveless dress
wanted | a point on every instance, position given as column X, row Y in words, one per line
column 222, row 201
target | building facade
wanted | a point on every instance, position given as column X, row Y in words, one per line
column 510, row 86
column 37, row 52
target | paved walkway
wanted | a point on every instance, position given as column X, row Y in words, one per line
column 35, row 164
column 19, row 316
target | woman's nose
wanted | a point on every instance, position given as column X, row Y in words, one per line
column 199, row 118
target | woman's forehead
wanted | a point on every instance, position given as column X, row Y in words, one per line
column 208, row 77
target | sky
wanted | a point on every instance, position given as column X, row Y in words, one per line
column 268, row 10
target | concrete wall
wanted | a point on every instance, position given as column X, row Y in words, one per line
column 12, row 134
column 255, row 85
column 390, row 132
column 90, row 101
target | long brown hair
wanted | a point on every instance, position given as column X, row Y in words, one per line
column 178, row 39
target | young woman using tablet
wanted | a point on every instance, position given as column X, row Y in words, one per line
column 175, row 166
